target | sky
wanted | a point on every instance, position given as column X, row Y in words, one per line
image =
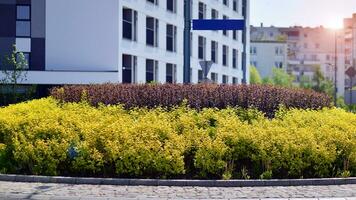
column 329, row 13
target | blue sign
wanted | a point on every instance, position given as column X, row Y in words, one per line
column 218, row 24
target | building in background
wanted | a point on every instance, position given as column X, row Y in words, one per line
column 308, row 50
column 95, row 41
column 268, row 54
column 350, row 56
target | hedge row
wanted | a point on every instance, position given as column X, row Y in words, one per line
column 50, row 138
column 265, row 98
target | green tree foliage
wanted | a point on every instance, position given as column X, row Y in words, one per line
column 282, row 78
column 255, row 77
column 322, row 84
column 319, row 83
column 13, row 70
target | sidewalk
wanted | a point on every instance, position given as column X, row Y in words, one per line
column 15, row 190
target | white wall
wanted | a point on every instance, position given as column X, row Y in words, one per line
column 266, row 57
column 143, row 52
column 82, row 35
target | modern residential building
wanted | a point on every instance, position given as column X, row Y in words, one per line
column 350, row 46
column 350, row 57
column 127, row 41
column 308, row 49
column 266, row 55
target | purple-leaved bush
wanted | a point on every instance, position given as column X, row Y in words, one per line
column 262, row 97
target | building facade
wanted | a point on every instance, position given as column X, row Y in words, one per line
column 308, row 50
column 350, row 47
column 266, row 55
column 127, row 41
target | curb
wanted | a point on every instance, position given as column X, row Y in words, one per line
column 180, row 183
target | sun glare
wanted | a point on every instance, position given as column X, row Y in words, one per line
column 334, row 23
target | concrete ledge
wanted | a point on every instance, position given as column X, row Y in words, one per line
column 180, row 183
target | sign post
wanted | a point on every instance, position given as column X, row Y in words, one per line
column 206, row 66
column 351, row 72
column 187, row 28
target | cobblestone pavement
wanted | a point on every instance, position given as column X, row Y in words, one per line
column 13, row 190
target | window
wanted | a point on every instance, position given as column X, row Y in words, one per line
column 235, row 5
column 225, row 79
column 214, row 14
column 279, row 51
column 152, row 31
column 317, row 45
column 254, row 63
column 202, row 11
column 129, row 24
column 23, row 12
column 253, row 51
column 171, row 73
column 23, row 29
column 129, row 71
column 314, row 57
column 23, row 21
column 214, row 77
column 234, row 35
column 235, row 81
column 214, row 51
column 201, row 47
column 225, row 55
column 225, row 32
column 200, row 76
column 226, row 2
column 234, row 58
column 153, row 1
column 278, row 65
column 151, row 71
column 172, row 5
column 171, row 38
column 305, row 45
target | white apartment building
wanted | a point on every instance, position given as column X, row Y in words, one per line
column 266, row 55
column 127, row 41
column 309, row 48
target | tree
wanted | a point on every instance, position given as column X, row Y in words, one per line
column 305, row 82
column 282, row 78
column 321, row 84
column 255, row 77
column 13, row 72
column 267, row 81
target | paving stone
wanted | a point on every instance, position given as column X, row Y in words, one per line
column 18, row 190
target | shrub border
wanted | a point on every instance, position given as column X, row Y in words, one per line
column 180, row 183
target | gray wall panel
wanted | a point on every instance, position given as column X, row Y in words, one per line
column 38, row 20
column 38, row 54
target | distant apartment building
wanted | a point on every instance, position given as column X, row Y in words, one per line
column 266, row 55
column 350, row 57
column 350, row 46
column 308, row 49
column 126, row 41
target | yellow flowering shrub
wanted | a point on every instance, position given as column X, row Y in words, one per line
column 47, row 137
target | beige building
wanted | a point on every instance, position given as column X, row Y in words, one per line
column 308, row 49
